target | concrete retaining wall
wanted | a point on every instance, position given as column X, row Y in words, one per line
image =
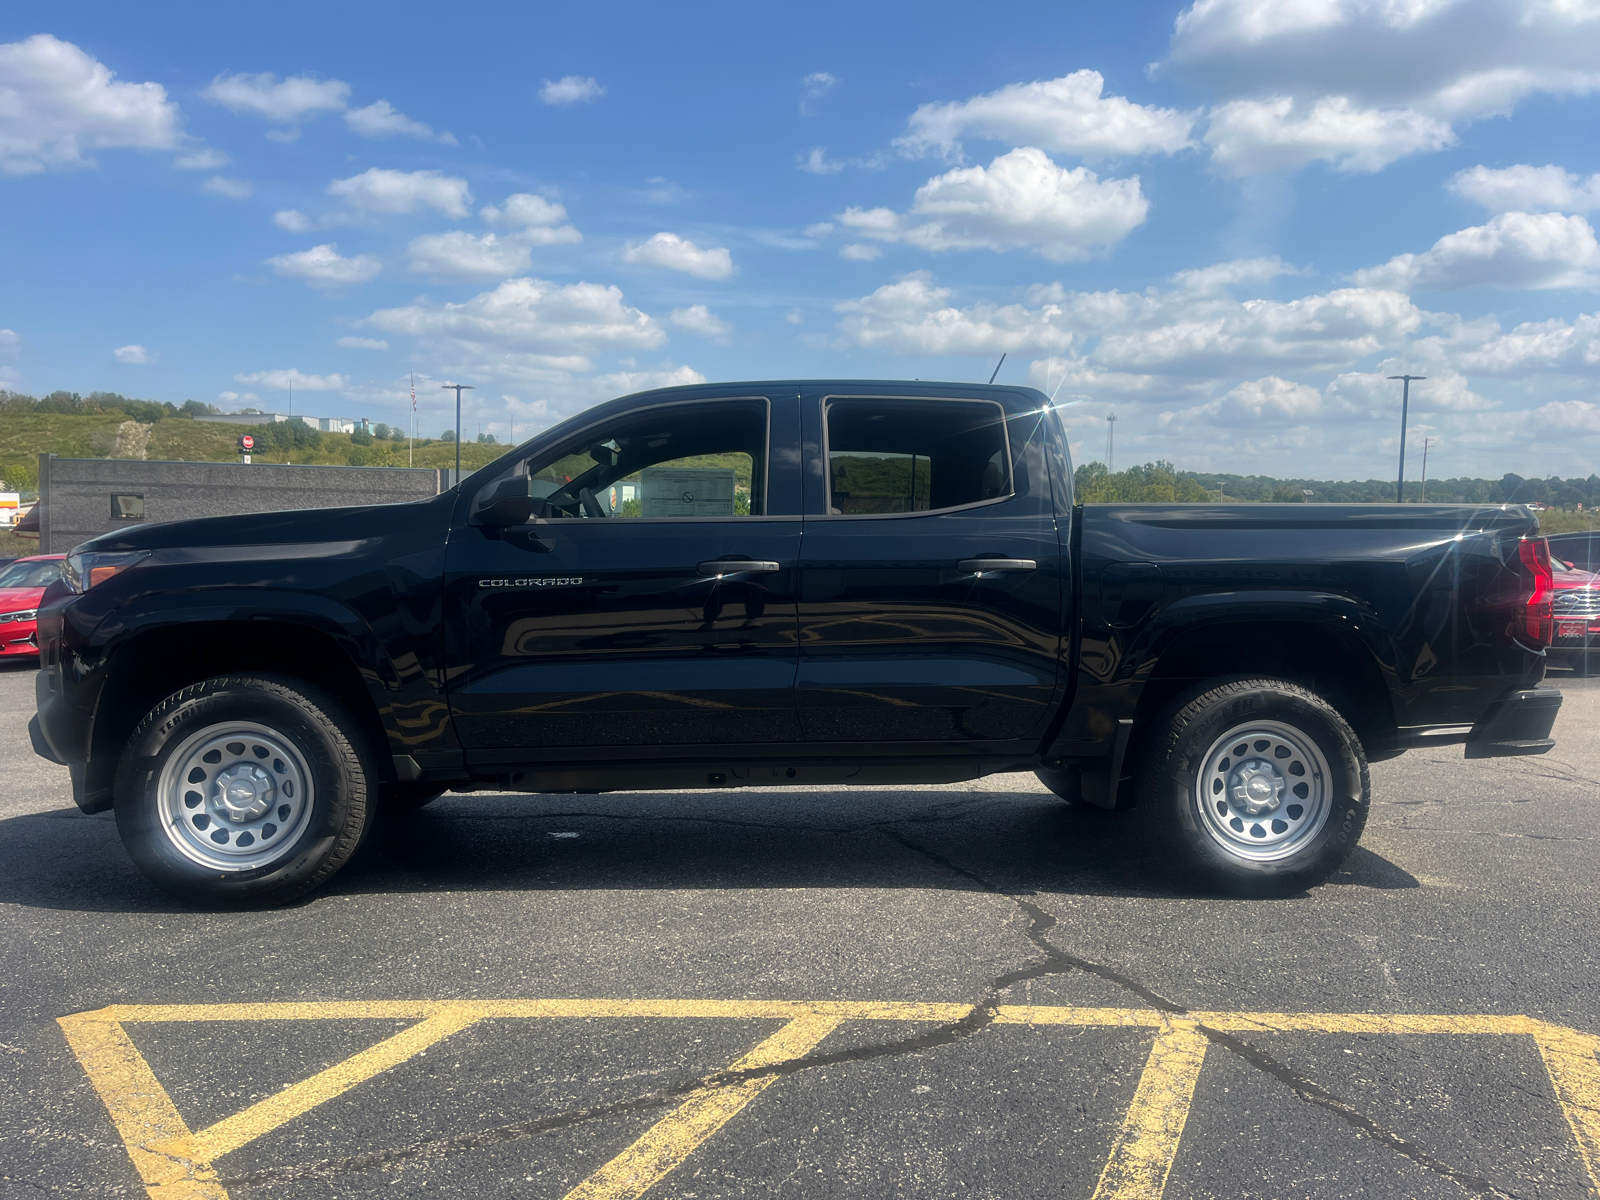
column 76, row 495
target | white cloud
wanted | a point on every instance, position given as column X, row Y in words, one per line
column 1360, row 83
column 284, row 102
column 816, row 162
column 285, row 135
column 10, row 342
column 1021, row 200
column 1070, row 115
column 323, row 266
column 291, row 219
column 234, row 189
column 571, row 89
column 1250, row 136
column 458, row 255
column 1569, row 416
column 674, row 253
column 1466, row 58
column 1153, row 344
column 134, row 355
column 1528, row 189
column 860, row 252
column 813, row 87
column 381, row 119
column 913, row 315
column 1271, row 400
column 527, row 328
column 377, row 190
column 1515, row 249
column 1534, row 348
column 1222, row 335
column 623, row 382
column 56, row 102
column 207, row 158
column 697, row 318
column 361, row 343
column 282, row 380
column 537, row 221
column 1232, row 274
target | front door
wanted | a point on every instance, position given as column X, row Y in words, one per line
column 649, row 605
column 931, row 576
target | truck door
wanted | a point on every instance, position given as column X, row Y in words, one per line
column 649, row 604
column 930, row 594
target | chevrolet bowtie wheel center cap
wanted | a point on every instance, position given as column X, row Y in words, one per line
column 243, row 792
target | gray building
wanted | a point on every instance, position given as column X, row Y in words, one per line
column 81, row 498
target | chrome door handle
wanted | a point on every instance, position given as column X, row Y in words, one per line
column 737, row 566
column 979, row 565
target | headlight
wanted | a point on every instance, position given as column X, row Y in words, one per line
column 86, row 568
column 22, row 614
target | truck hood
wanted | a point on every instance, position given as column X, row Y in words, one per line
column 295, row 526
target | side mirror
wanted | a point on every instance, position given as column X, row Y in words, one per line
column 510, row 502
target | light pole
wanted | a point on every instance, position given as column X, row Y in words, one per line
column 1405, row 403
column 467, row 387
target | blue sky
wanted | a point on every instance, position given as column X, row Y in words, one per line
column 1226, row 221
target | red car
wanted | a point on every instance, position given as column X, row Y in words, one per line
column 21, row 585
column 1576, row 608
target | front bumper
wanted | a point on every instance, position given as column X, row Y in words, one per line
column 1518, row 723
column 19, row 639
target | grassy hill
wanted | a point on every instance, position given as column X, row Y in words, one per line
column 25, row 436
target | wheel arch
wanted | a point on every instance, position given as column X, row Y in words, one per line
column 1325, row 644
column 156, row 660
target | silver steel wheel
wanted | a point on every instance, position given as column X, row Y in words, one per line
column 1263, row 790
column 235, row 796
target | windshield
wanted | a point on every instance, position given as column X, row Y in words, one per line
column 30, row 574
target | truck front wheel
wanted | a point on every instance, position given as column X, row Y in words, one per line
column 244, row 790
column 1258, row 785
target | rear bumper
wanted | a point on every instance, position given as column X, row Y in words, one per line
column 1519, row 723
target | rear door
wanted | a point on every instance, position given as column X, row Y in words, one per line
column 652, row 605
column 931, row 574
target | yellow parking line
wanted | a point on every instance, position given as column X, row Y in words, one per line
column 244, row 1127
column 140, row 1109
column 1573, row 1061
column 672, row 1139
column 1147, row 1141
column 176, row 1164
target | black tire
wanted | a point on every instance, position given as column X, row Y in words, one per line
column 1279, row 818
column 1064, row 784
column 244, row 741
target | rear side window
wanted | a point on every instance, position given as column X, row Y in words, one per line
column 910, row 456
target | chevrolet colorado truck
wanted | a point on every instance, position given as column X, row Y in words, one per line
column 828, row 583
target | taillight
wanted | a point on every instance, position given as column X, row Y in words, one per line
column 1538, row 619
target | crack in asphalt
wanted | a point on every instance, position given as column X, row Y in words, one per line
column 1056, row 961
column 1307, row 1089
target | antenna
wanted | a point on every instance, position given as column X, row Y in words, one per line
column 1426, row 442
column 1111, row 432
column 997, row 367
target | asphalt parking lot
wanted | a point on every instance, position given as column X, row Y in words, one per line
column 967, row 990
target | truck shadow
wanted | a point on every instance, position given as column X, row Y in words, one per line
column 1020, row 842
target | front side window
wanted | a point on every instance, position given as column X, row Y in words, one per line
column 910, row 456
column 678, row 460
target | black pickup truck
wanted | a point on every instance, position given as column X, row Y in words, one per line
column 767, row 584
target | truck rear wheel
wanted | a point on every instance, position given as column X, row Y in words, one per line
column 244, row 790
column 1258, row 785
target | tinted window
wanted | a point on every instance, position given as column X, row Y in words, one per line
column 30, row 574
column 689, row 460
column 905, row 456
